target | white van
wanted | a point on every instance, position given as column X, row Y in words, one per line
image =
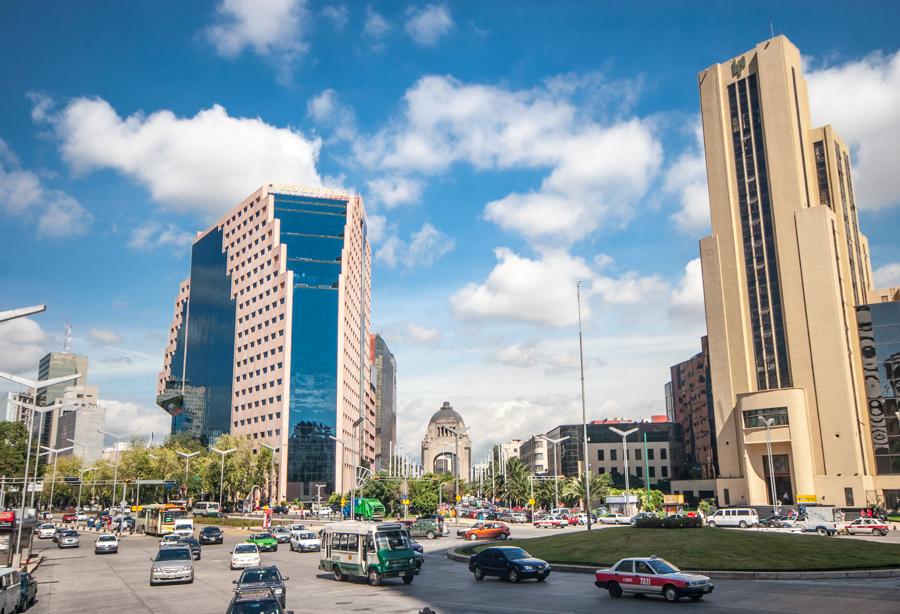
column 742, row 517
column 10, row 591
column 184, row 527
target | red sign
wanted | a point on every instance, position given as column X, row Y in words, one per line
column 7, row 519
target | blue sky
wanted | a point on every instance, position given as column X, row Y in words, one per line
column 504, row 150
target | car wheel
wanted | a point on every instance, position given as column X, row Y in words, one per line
column 503, row 536
column 473, row 537
column 337, row 573
column 742, row 524
column 711, row 523
column 292, row 546
column 615, row 591
column 430, row 535
column 541, row 578
column 822, row 531
column 670, row 593
column 374, row 578
column 513, row 576
column 408, row 579
column 478, row 572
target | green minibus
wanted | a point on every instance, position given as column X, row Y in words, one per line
column 372, row 550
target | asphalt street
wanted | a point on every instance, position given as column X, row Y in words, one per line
column 77, row 580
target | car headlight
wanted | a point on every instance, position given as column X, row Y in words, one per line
column 156, row 569
column 527, row 568
column 279, row 590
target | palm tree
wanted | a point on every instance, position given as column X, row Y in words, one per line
column 517, row 484
column 574, row 489
column 545, row 492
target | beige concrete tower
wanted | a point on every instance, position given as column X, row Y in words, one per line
column 783, row 270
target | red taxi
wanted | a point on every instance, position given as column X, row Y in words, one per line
column 865, row 526
column 69, row 517
column 652, row 576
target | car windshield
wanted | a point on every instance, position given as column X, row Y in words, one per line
column 514, row 554
column 260, row 575
column 261, row 536
column 391, row 540
column 209, row 530
column 174, row 554
column 305, row 536
column 245, row 549
column 106, row 538
column 257, row 606
column 661, row 566
column 47, row 526
column 70, row 534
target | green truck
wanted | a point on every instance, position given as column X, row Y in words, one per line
column 365, row 509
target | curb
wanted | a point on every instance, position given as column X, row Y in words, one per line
column 739, row 575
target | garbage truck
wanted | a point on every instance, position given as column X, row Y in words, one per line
column 365, row 509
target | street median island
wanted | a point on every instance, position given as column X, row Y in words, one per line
column 708, row 549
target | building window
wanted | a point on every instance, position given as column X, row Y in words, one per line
column 612, row 454
column 664, row 470
column 650, row 452
column 663, row 453
column 726, row 496
column 848, row 497
column 652, row 471
column 822, row 173
column 755, row 418
column 600, row 455
column 601, row 470
column 637, row 454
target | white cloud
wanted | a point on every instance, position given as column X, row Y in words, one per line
column 132, row 419
column 54, row 214
column 425, row 247
column 887, row 276
column 152, row 235
column 685, row 179
column 377, row 227
column 327, row 111
column 429, row 24
column 104, row 336
column 686, row 303
column 395, row 191
column 21, row 345
column 525, row 354
column 336, row 14
column 375, row 28
column 597, row 172
column 630, row 288
column 203, row 164
column 270, row 28
column 540, row 291
column 861, row 99
column 421, row 334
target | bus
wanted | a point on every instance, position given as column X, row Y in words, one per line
column 158, row 518
column 206, row 508
column 373, row 550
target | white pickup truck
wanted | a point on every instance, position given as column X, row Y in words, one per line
column 821, row 519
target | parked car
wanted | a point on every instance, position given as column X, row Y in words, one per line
column 264, row 541
column 280, row 509
column 27, row 591
column 865, row 526
column 244, row 555
column 615, row 518
column 582, row 518
column 514, row 564
column 106, row 544
column 430, row 528
column 46, row 531
column 777, row 522
column 325, row 512
column 281, row 534
column 641, row 515
column 266, row 578
column 551, row 522
column 305, row 541
column 211, row 535
column 485, row 530
column 172, row 564
column 652, row 576
column 69, row 517
column 255, row 601
column 68, row 539
column 742, row 517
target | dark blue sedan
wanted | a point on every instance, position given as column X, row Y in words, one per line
column 508, row 562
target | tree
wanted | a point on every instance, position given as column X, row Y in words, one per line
column 516, row 488
column 651, row 501
column 13, row 448
column 383, row 488
column 574, row 489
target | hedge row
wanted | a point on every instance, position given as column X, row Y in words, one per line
column 672, row 522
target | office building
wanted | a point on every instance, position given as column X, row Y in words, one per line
column 533, row 453
column 446, row 447
column 508, row 450
column 14, row 411
column 51, row 366
column 268, row 338
column 80, row 420
column 783, row 270
column 385, row 381
column 694, row 453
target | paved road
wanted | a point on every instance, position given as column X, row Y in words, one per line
column 78, row 581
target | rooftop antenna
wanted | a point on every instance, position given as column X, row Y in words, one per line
column 771, row 27
column 67, row 337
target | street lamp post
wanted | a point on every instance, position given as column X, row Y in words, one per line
column 81, row 483
column 222, row 453
column 187, row 467
column 769, row 422
column 624, row 435
column 273, row 449
column 587, row 461
column 456, row 470
column 55, row 452
column 556, row 443
column 118, row 439
column 319, row 488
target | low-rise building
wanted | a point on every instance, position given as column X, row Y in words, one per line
column 533, row 452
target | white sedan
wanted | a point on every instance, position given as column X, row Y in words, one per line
column 244, row 555
column 46, row 531
column 305, row 541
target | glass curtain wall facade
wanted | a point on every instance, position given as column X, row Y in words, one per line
column 879, row 334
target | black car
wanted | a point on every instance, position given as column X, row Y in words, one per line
column 28, row 594
column 211, row 535
column 191, row 543
column 255, row 602
column 266, row 578
column 508, row 562
column 281, row 510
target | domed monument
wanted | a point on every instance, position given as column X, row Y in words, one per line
column 447, row 444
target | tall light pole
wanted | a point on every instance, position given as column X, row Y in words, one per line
column 33, row 386
column 222, row 453
column 273, row 449
column 21, row 312
column 118, row 439
column 624, row 435
column 319, row 488
column 556, row 443
column 769, row 422
column 587, row 467
column 187, row 467
column 81, row 483
column 55, row 452
column 456, row 470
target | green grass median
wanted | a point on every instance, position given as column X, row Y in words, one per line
column 711, row 549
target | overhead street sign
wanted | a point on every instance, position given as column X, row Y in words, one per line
column 151, row 482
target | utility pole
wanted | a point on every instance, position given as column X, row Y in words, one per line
column 646, row 469
column 587, row 468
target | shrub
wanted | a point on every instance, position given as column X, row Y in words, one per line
column 672, row 522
